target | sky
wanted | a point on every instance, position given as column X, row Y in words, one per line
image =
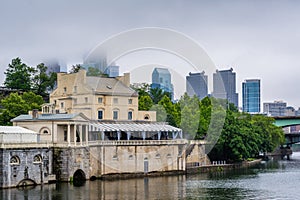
column 258, row 39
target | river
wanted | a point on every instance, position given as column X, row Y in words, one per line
column 269, row 180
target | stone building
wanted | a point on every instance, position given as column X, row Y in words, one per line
column 98, row 98
column 94, row 129
column 23, row 160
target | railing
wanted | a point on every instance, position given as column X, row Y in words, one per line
column 137, row 142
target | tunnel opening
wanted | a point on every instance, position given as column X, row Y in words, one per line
column 79, row 178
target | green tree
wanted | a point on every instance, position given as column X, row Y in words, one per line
column 145, row 102
column 41, row 81
column 172, row 115
column 157, row 94
column 15, row 105
column 92, row 71
column 18, row 75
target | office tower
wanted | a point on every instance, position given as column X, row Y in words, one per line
column 278, row 108
column 224, row 86
column 112, row 71
column 161, row 78
column 251, row 95
column 196, row 84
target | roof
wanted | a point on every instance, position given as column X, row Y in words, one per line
column 135, row 126
column 161, row 70
column 109, row 86
column 48, row 117
column 15, row 129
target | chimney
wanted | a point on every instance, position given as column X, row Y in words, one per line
column 35, row 113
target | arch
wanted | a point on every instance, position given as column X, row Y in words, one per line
column 26, row 182
column 14, row 160
column 147, row 117
column 79, row 178
column 45, row 130
column 37, row 159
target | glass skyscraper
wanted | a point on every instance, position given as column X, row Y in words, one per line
column 196, row 84
column 161, row 78
column 251, row 96
column 224, row 85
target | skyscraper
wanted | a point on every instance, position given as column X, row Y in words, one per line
column 161, row 78
column 251, row 95
column 196, row 84
column 224, row 86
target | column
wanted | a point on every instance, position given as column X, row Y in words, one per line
column 173, row 135
column 128, row 135
column 159, row 135
column 144, row 135
column 102, row 134
column 69, row 135
column 80, row 132
column 119, row 135
column 86, row 134
column 74, row 133
column 180, row 134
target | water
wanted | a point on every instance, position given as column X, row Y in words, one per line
column 271, row 180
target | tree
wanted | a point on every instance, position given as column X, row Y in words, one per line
column 15, row 105
column 145, row 102
column 18, row 75
column 75, row 68
column 41, row 81
column 157, row 94
column 92, row 71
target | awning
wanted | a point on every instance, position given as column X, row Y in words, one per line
column 134, row 127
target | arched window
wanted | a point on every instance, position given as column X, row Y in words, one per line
column 37, row 159
column 146, row 117
column 15, row 160
column 130, row 114
column 115, row 114
column 44, row 130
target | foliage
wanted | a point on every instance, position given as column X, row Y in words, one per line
column 75, row 68
column 157, row 94
column 15, row 105
column 18, row 75
column 145, row 102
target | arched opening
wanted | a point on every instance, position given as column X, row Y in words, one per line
column 26, row 182
column 37, row 159
column 93, row 178
column 146, row 117
column 15, row 160
column 79, row 178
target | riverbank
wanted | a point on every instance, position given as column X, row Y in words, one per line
column 222, row 167
column 192, row 170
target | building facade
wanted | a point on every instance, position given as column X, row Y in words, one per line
column 224, row 86
column 276, row 108
column 98, row 98
column 251, row 95
column 161, row 78
column 196, row 84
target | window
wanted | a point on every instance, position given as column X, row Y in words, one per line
column 100, row 114
column 37, row 159
column 45, row 132
column 129, row 101
column 100, row 100
column 130, row 115
column 146, row 117
column 65, row 89
column 115, row 114
column 86, row 99
column 116, row 100
column 15, row 160
column 62, row 105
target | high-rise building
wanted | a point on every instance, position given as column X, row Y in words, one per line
column 196, row 84
column 224, row 86
column 161, row 78
column 112, row 71
column 277, row 108
column 251, row 96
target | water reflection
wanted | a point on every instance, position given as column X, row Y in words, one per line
column 270, row 180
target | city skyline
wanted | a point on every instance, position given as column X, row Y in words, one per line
column 241, row 35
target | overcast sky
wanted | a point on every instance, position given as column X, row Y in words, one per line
column 258, row 39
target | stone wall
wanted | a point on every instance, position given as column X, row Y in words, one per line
column 25, row 166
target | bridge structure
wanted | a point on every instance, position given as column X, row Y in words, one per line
column 286, row 121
